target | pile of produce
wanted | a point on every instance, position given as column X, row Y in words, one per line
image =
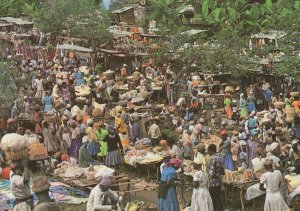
column 37, row 151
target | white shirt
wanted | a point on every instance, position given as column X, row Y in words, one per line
column 154, row 131
column 180, row 101
column 96, row 198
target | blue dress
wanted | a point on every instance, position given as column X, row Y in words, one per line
column 79, row 78
column 47, row 101
column 251, row 104
column 170, row 203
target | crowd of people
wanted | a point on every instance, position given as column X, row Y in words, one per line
column 253, row 127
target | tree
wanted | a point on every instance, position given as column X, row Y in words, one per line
column 17, row 8
column 76, row 18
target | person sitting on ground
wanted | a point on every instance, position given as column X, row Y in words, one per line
column 102, row 197
column 295, row 201
column 40, row 186
column 84, row 158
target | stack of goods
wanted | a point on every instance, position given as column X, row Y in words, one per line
column 37, row 151
column 90, row 174
column 144, row 156
column 279, row 104
column 25, row 116
column 143, row 143
column 213, row 139
column 293, row 183
column 15, row 146
column 237, row 176
column 82, row 90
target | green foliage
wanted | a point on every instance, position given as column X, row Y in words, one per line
column 77, row 18
column 8, row 86
column 17, row 8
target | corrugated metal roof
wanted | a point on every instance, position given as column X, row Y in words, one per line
column 17, row 21
column 272, row 35
column 75, row 48
column 124, row 9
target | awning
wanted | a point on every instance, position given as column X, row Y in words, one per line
column 192, row 32
column 272, row 35
column 75, row 48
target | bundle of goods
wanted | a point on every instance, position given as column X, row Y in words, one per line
column 295, row 94
column 102, row 171
column 108, row 73
column 151, row 157
column 229, row 89
column 97, row 112
column 15, row 146
column 90, row 174
column 279, row 104
column 37, row 151
column 143, row 143
column 74, row 172
column 293, row 182
column 290, row 114
column 82, row 90
column 85, row 70
column 81, row 100
column 237, row 176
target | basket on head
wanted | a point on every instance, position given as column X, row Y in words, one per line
column 16, row 155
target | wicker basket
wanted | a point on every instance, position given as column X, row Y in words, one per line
column 141, row 146
column 229, row 89
column 279, row 104
column 295, row 94
column 17, row 154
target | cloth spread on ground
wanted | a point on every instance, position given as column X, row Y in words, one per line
column 61, row 192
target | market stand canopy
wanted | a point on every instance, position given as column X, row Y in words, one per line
column 75, row 48
column 272, row 35
column 16, row 21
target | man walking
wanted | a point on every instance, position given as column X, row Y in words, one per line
column 215, row 171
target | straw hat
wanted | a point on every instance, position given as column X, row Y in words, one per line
column 124, row 65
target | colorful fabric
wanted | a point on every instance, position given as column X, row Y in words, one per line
column 215, row 170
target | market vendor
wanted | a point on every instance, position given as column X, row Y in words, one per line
column 40, row 186
column 102, row 197
column 84, row 158
column 19, row 185
column 295, row 201
column 101, row 133
column 154, row 131
column 167, row 199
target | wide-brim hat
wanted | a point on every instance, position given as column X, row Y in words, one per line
column 124, row 65
column 157, row 118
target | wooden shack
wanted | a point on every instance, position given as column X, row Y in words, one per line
column 17, row 24
column 130, row 15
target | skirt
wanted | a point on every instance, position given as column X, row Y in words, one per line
column 201, row 200
column 170, row 203
column 251, row 107
column 114, row 158
column 228, row 111
column 228, row 162
column 274, row 202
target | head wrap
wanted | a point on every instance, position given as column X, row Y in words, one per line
column 174, row 162
column 268, row 162
column 105, row 181
column 223, row 133
column 40, row 184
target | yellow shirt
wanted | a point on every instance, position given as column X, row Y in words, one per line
column 120, row 124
